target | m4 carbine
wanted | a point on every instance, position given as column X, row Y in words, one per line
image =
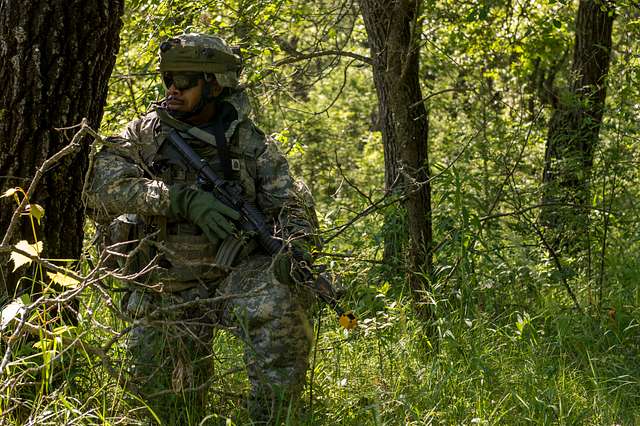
column 253, row 221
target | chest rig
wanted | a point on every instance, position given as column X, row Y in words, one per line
column 189, row 255
column 209, row 141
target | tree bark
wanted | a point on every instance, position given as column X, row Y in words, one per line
column 394, row 226
column 56, row 57
column 574, row 129
column 394, row 29
column 385, row 117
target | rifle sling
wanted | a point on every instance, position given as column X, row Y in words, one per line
column 226, row 114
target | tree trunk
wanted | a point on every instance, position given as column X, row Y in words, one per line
column 574, row 129
column 394, row 227
column 56, row 57
column 394, row 32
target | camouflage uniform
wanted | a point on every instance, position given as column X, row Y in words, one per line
column 170, row 347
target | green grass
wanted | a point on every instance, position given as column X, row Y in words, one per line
column 559, row 369
column 544, row 365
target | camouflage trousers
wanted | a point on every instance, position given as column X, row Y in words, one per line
column 170, row 344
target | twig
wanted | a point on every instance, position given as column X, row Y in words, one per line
column 498, row 196
column 515, row 164
column 92, row 155
column 303, row 56
column 337, row 96
column 378, row 205
column 556, row 261
column 606, row 218
column 439, row 92
column 350, row 256
column 351, row 184
column 73, row 147
column 540, row 206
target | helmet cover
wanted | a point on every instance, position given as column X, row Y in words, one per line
column 201, row 52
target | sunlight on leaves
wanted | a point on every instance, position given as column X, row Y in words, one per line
column 32, row 249
column 63, row 280
column 36, row 210
column 64, row 330
column 10, row 312
column 9, row 192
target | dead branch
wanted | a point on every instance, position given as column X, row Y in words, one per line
column 72, row 148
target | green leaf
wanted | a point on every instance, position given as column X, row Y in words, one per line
column 26, row 299
column 10, row 312
column 42, row 345
column 32, row 249
column 35, row 210
column 64, row 329
column 63, row 280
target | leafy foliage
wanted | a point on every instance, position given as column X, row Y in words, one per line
column 507, row 345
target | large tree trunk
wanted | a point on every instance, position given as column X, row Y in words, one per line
column 394, row 34
column 574, row 129
column 56, row 57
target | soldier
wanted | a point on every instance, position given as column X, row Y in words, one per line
column 191, row 269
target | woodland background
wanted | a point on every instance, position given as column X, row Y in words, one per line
column 474, row 166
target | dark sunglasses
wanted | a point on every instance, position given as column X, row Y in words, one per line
column 181, row 81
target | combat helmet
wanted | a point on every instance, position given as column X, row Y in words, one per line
column 201, row 52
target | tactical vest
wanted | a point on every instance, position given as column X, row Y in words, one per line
column 184, row 254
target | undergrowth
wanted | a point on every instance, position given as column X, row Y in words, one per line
column 546, row 364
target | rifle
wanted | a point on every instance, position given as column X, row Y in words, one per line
column 252, row 220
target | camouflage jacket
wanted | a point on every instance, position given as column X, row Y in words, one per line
column 131, row 175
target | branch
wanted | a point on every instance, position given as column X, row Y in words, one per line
column 542, row 205
column 350, row 256
column 561, row 269
column 379, row 205
column 346, row 179
column 304, row 56
column 72, row 148
column 439, row 92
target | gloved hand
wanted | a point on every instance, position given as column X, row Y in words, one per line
column 285, row 266
column 204, row 210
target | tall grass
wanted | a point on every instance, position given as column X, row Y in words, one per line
column 543, row 365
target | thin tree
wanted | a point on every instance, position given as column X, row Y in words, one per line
column 574, row 128
column 394, row 29
column 56, row 57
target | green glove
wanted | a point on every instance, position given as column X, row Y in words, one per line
column 204, row 210
column 285, row 267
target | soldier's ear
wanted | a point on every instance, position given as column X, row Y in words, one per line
column 216, row 89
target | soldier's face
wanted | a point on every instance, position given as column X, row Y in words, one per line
column 184, row 100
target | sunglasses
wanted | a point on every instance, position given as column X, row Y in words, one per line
column 182, row 81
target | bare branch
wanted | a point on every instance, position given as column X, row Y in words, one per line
column 72, row 148
column 304, row 56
